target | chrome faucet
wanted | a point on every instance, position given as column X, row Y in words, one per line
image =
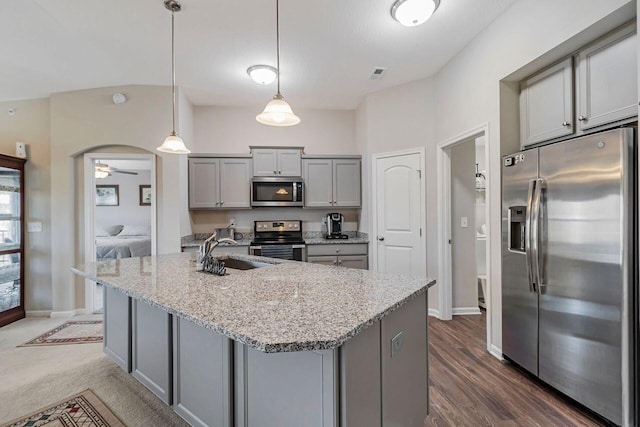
column 210, row 244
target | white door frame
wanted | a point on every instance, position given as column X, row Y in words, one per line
column 90, row 206
column 445, row 294
column 374, row 201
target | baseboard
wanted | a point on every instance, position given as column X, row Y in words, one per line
column 463, row 311
column 38, row 313
column 70, row 313
column 496, row 352
column 434, row 312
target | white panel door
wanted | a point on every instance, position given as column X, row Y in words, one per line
column 235, row 183
column 398, row 212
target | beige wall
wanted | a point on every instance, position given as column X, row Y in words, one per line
column 463, row 248
column 30, row 124
column 82, row 121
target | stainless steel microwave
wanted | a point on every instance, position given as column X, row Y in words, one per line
column 277, row 191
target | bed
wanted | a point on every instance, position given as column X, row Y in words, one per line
column 129, row 241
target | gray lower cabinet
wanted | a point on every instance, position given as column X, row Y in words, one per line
column 607, row 80
column 344, row 255
column 332, row 182
column 151, row 349
column 202, row 376
column 117, row 327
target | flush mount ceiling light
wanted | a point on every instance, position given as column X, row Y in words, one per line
column 173, row 143
column 413, row 12
column 278, row 112
column 262, row 74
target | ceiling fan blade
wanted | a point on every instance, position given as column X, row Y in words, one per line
column 122, row 171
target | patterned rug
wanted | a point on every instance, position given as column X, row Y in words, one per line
column 72, row 332
column 82, row 410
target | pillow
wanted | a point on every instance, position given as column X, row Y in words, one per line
column 135, row 230
column 110, row 230
column 101, row 232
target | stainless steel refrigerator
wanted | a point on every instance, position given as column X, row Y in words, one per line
column 569, row 312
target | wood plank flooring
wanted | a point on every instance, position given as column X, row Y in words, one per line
column 469, row 387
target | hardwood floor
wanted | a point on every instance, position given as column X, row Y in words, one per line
column 469, row 387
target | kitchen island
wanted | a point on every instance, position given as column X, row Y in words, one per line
column 273, row 343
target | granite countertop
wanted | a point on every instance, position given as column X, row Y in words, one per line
column 310, row 238
column 289, row 306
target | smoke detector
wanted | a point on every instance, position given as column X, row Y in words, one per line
column 377, row 73
column 119, row 98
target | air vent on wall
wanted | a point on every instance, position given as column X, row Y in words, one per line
column 377, row 73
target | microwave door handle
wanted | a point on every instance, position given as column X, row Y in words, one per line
column 536, row 232
column 527, row 236
column 295, row 192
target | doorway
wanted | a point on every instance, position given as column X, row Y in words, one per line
column 120, row 213
column 448, row 224
column 398, row 207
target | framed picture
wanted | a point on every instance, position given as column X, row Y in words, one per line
column 145, row 195
column 107, row 195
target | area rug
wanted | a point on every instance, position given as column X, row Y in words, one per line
column 82, row 410
column 72, row 332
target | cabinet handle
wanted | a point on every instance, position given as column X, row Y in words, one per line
column 565, row 123
column 279, row 172
column 337, row 250
column 330, row 202
column 339, row 262
column 335, row 262
column 275, row 172
column 381, row 238
column 582, row 118
column 221, row 203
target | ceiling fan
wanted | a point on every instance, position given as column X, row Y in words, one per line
column 103, row 170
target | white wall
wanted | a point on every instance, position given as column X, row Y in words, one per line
column 463, row 247
column 129, row 211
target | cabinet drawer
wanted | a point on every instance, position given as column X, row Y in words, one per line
column 337, row 249
column 324, row 260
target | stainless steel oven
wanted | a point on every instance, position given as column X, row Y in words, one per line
column 279, row 239
column 277, row 191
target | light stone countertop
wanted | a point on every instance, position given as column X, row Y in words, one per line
column 289, row 306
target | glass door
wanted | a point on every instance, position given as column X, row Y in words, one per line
column 11, row 240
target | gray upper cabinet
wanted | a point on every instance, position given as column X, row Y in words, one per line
column 219, row 183
column 332, row 182
column 546, row 104
column 277, row 162
column 608, row 81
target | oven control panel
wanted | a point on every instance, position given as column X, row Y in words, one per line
column 262, row 226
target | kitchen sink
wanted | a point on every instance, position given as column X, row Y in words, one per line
column 240, row 264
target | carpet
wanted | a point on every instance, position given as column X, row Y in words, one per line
column 72, row 332
column 81, row 410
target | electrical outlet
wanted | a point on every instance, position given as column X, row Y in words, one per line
column 396, row 343
column 232, row 222
column 464, row 222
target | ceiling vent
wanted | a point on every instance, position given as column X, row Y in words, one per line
column 377, row 73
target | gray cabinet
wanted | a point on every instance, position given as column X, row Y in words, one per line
column 277, row 161
column 343, row 255
column 219, row 183
column 117, row 327
column 332, row 182
column 151, row 349
column 546, row 104
column 607, row 80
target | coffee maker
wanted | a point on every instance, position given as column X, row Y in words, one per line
column 335, row 223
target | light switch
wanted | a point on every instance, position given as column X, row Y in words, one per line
column 464, row 222
column 34, row 227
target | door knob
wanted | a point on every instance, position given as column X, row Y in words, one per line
column 381, row 238
column 565, row 123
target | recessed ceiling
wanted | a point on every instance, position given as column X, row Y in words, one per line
column 329, row 48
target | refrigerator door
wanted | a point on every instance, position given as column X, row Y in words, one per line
column 519, row 299
column 586, row 214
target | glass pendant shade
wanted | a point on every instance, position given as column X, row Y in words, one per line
column 173, row 144
column 278, row 113
column 101, row 174
column 262, row 74
column 411, row 13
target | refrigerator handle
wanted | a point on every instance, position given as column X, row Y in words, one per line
column 527, row 236
column 536, row 232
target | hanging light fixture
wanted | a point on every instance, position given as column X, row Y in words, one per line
column 278, row 112
column 173, row 143
column 413, row 12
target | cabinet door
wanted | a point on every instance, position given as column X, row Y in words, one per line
column 354, row 261
column 346, row 183
column 546, row 104
column 289, row 162
column 324, row 260
column 265, row 162
column 608, row 80
column 235, row 183
column 204, row 183
column 318, row 183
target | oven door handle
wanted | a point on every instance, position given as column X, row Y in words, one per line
column 298, row 246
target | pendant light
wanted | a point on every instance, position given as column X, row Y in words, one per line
column 173, row 143
column 278, row 112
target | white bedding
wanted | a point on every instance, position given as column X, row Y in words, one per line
column 122, row 247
